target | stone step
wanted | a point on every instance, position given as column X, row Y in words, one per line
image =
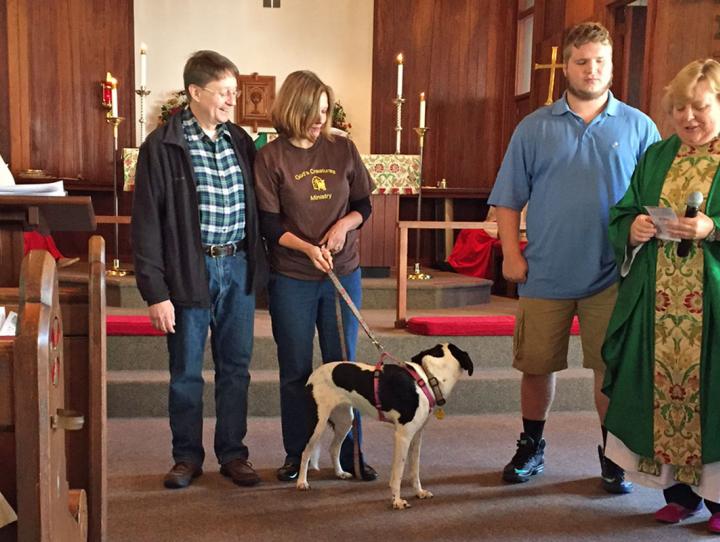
column 133, row 394
column 444, row 290
column 150, row 353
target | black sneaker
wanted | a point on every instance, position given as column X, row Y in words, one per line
column 613, row 477
column 288, row 472
column 527, row 461
column 367, row 473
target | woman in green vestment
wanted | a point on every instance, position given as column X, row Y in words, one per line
column 662, row 347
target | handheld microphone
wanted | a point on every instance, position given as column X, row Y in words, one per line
column 694, row 201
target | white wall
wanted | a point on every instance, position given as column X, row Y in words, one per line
column 333, row 38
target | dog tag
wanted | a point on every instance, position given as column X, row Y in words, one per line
column 439, row 413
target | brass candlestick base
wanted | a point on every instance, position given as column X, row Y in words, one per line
column 117, row 271
column 417, row 274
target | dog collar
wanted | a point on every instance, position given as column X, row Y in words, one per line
column 435, row 385
column 430, row 394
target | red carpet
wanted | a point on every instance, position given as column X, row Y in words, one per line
column 133, row 325
column 469, row 326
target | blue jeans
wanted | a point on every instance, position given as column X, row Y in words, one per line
column 297, row 308
column 231, row 319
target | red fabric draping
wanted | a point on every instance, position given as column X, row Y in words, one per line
column 35, row 241
column 130, row 325
column 469, row 326
column 472, row 253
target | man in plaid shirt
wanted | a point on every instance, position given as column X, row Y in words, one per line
column 198, row 262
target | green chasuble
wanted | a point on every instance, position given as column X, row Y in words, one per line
column 629, row 349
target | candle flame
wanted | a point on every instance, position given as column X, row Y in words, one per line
column 143, row 49
column 108, row 77
column 114, row 82
column 399, row 58
column 422, row 96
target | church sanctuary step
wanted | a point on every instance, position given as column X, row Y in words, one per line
column 150, row 353
column 444, row 290
column 138, row 374
column 133, row 394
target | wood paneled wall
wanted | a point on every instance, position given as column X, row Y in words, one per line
column 52, row 59
column 4, row 105
column 58, row 53
column 679, row 32
column 461, row 54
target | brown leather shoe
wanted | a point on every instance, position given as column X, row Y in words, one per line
column 240, row 471
column 181, row 475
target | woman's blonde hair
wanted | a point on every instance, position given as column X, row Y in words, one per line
column 298, row 103
column 679, row 91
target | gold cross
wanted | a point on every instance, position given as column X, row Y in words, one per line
column 552, row 67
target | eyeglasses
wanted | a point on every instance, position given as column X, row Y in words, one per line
column 226, row 94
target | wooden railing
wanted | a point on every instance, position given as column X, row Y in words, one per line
column 403, row 227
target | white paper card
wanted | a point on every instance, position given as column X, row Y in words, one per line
column 9, row 325
column 56, row 188
column 2, row 316
column 6, row 178
column 660, row 217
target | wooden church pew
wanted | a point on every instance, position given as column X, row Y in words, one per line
column 33, row 415
column 84, row 344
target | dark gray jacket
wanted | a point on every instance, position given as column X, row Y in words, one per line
column 167, row 250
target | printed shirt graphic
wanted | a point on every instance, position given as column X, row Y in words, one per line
column 311, row 189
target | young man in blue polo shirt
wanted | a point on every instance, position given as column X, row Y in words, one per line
column 570, row 162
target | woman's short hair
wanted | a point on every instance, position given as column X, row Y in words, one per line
column 297, row 105
column 580, row 34
column 680, row 90
column 204, row 67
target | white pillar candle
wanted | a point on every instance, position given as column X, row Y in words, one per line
column 399, row 61
column 113, row 97
column 422, row 110
column 143, row 65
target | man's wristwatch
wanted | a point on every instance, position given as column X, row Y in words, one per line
column 712, row 236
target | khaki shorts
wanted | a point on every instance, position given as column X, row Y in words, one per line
column 542, row 329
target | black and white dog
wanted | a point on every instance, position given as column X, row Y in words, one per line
column 404, row 396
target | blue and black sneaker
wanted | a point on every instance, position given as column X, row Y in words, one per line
column 613, row 477
column 527, row 461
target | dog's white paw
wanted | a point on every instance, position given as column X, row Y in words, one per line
column 302, row 486
column 343, row 475
column 424, row 494
column 400, row 504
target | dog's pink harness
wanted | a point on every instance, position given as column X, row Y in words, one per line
column 416, row 377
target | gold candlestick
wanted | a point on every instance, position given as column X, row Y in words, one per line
column 142, row 92
column 417, row 273
column 398, row 122
column 116, row 270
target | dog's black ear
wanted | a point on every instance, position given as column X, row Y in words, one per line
column 436, row 352
column 462, row 357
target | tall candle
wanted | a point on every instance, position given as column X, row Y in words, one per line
column 422, row 110
column 399, row 61
column 106, row 86
column 113, row 94
column 143, row 65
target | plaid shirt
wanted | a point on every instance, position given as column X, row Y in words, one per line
column 220, row 183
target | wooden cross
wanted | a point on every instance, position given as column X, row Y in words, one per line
column 552, row 67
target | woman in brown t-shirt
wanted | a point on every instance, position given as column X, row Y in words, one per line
column 313, row 192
